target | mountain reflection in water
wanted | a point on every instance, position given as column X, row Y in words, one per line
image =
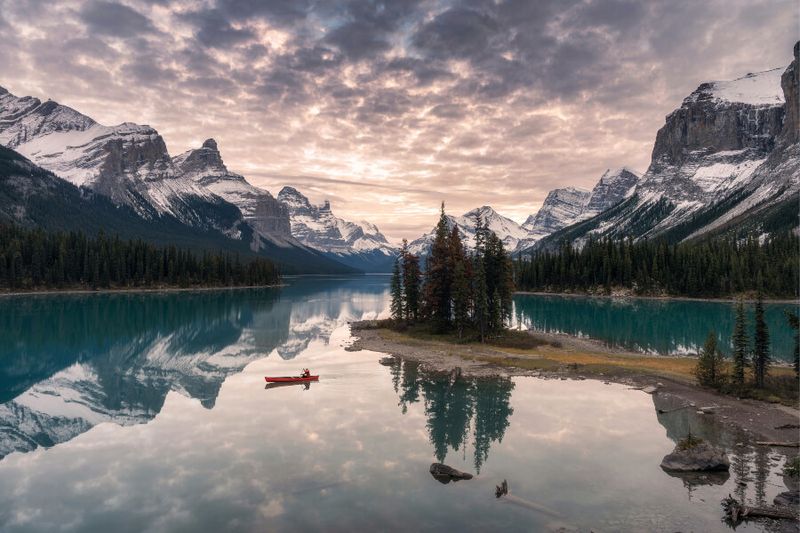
column 70, row 362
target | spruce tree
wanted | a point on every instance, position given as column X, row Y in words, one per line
column 480, row 289
column 460, row 298
column 397, row 292
column 761, row 356
column 740, row 343
column 411, row 283
column 794, row 323
column 709, row 370
column 438, row 276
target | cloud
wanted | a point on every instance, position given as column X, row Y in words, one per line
column 118, row 20
column 389, row 107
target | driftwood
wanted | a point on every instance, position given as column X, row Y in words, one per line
column 788, row 426
column 736, row 511
column 784, row 444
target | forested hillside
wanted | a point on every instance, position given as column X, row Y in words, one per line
column 35, row 259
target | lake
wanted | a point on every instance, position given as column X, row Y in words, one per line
column 665, row 327
column 134, row 412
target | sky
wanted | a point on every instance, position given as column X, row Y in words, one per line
column 389, row 108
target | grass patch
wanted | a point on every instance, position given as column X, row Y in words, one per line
column 522, row 349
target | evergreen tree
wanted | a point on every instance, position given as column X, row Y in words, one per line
column 794, row 323
column 709, row 369
column 480, row 289
column 412, row 277
column 438, row 277
column 397, row 292
column 460, row 298
column 761, row 356
column 740, row 342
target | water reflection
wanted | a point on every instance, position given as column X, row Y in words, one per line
column 70, row 362
column 455, row 406
column 656, row 326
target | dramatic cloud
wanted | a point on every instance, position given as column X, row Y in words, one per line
column 388, row 107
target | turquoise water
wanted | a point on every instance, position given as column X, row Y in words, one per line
column 149, row 412
column 666, row 327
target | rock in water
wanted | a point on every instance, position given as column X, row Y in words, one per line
column 701, row 457
column 445, row 474
column 790, row 498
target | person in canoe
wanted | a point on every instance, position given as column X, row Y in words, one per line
column 306, row 372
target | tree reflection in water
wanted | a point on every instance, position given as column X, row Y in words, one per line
column 455, row 406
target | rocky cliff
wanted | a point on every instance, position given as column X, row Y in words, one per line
column 204, row 166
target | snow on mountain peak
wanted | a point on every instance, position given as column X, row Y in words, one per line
column 317, row 227
column 758, row 89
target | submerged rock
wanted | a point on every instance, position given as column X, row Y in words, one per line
column 445, row 474
column 790, row 498
column 701, row 457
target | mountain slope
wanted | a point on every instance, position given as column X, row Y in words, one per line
column 33, row 197
column 509, row 231
column 264, row 213
column 360, row 245
column 727, row 159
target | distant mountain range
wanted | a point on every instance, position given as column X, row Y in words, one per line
column 727, row 159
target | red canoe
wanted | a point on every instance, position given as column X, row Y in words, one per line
column 290, row 379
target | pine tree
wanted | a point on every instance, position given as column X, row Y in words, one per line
column 761, row 356
column 794, row 323
column 740, row 342
column 709, row 369
column 460, row 298
column 397, row 292
column 438, row 276
column 480, row 289
column 411, row 283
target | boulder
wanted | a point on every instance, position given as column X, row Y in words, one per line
column 445, row 474
column 701, row 457
column 790, row 498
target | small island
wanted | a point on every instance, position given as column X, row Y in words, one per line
column 454, row 317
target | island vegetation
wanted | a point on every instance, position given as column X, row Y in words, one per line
column 748, row 372
column 461, row 293
column 712, row 268
column 33, row 259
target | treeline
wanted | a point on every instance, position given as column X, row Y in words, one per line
column 459, row 291
column 35, row 259
column 714, row 268
column 712, row 370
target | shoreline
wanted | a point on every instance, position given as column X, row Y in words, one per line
column 661, row 298
column 53, row 292
column 574, row 358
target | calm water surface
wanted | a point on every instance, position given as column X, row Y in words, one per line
column 666, row 327
column 149, row 413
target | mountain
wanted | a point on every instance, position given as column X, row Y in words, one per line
column 509, row 231
column 612, row 188
column 268, row 216
column 125, row 171
column 128, row 163
column 726, row 160
column 359, row 245
column 560, row 208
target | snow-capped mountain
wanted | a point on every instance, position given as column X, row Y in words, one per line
column 561, row 207
column 614, row 186
column 510, row 232
column 360, row 245
column 728, row 155
column 190, row 200
column 204, row 166
column 128, row 163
